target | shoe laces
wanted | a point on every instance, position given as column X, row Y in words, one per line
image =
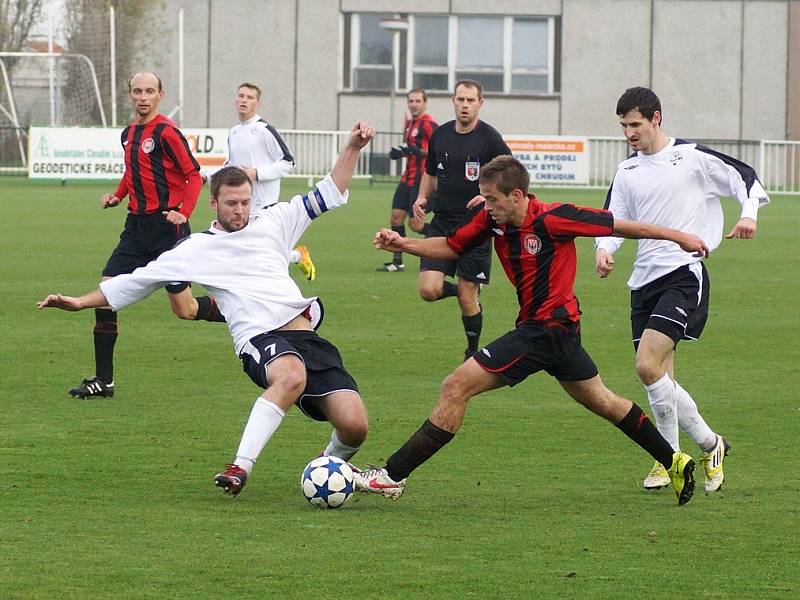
column 372, row 471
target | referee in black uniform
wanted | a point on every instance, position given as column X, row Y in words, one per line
column 456, row 152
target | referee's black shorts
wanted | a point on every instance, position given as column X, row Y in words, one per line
column 474, row 266
column 144, row 238
column 675, row 304
column 551, row 346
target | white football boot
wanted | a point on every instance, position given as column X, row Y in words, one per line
column 375, row 480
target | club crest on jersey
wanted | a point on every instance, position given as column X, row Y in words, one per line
column 472, row 170
column 414, row 132
column 532, row 244
column 148, row 145
column 675, row 158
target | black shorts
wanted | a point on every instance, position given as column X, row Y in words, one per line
column 325, row 372
column 552, row 346
column 675, row 304
column 144, row 238
column 404, row 197
column 474, row 266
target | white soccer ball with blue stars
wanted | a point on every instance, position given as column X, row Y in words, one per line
column 327, row 482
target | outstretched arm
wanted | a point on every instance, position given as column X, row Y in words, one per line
column 636, row 230
column 434, row 247
column 345, row 166
column 94, row 299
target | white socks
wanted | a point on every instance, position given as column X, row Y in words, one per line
column 673, row 406
column 338, row 449
column 264, row 420
column 663, row 402
column 691, row 422
column 294, row 257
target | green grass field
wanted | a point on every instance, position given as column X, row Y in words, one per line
column 534, row 498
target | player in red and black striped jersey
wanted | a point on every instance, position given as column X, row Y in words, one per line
column 535, row 244
column 417, row 135
column 162, row 181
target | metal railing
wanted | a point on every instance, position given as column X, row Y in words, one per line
column 776, row 161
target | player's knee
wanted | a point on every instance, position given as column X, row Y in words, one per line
column 289, row 382
column 648, row 370
column 430, row 293
column 183, row 312
column 354, row 433
column 455, row 389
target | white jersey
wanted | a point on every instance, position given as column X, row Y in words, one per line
column 246, row 271
column 678, row 187
column 255, row 143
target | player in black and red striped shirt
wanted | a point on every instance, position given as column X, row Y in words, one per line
column 535, row 244
column 416, row 138
column 162, row 181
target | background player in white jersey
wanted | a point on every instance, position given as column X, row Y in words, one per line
column 676, row 184
column 258, row 149
column 243, row 260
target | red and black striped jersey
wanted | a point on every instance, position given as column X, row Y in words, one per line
column 538, row 257
column 160, row 171
column 418, row 134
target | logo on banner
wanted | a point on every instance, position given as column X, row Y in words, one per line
column 676, row 158
column 148, row 145
column 472, row 170
column 532, row 244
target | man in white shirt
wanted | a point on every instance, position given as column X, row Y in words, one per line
column 676, row 184
column 258, row 149
column 242, row 260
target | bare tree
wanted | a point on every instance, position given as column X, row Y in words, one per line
column 87, row 32
column 16, row 19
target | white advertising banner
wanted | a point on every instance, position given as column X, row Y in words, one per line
column 554, row 159
column 96, row 152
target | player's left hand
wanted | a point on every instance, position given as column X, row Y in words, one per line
column 476, row 201
column 174, row 217
column 60, row 301
column 386, row 239
column 692, row 243
column 361, row 134
column 745, row 229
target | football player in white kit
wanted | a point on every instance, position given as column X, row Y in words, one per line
column 243, row 261
column 677, row 184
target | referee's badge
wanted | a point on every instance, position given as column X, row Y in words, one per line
column 532, row 243
column 472, row 170
column 675, row 158
column 148, row 145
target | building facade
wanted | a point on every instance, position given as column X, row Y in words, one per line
column 725, row 69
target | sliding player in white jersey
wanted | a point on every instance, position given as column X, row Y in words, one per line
column 677, row 184
column 242, row 260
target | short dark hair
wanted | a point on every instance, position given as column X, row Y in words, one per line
column 230, row 176
column 160, row 85
column 252, row 86
column 418, row 91
column 506, row 173
column 469, row 83
column 639, row 98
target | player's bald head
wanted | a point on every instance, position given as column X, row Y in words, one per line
column 144, row 78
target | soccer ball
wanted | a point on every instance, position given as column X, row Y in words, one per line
column 327, row 482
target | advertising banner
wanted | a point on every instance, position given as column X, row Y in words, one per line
column 96, row 152
column 552, row 159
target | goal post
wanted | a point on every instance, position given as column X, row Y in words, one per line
column 44, row 88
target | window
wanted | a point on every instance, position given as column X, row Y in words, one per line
column 372, row 49
column 429, row 61
column 510, row 55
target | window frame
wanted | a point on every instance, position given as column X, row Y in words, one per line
column 405, row 68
